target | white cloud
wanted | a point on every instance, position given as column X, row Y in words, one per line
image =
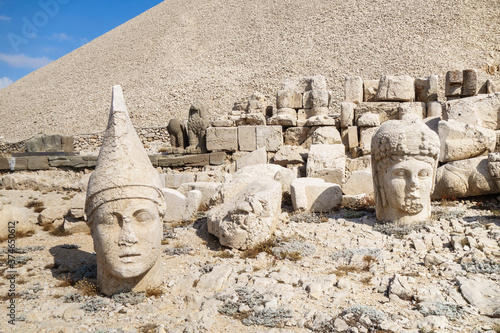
column 4, row 18
column 60, row 37
column 4, row 82
column 23, row 61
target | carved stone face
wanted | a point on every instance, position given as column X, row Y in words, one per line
column 127, row 236
column 408, row 186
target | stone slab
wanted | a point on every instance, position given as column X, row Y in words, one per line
column 270, row 137
column 222, row 138
column 38, row 163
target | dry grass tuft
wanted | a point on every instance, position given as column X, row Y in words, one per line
column 88, row 287
column 154, row 292
column 38, row 206
column 60, row 232
column 265, row 246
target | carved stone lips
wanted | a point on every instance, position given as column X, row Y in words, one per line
column 127, row 255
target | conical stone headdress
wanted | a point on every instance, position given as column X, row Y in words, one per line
column 123, row 169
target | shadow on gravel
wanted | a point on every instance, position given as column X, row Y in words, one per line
column 71, row 262
column 212, row 242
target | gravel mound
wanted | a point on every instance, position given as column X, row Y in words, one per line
column 182, row 51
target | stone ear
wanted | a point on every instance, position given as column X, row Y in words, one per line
column 382, row 195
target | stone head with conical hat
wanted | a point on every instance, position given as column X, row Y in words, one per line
column 124, row 208
column 404, row 161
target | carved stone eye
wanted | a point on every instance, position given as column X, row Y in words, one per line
column 423, row 174
column 143, row 216
column 399, row 173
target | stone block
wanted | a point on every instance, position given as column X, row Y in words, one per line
column 247, row 141
column 295, row 136
column 370, row 88
column 67, row 161
column 165, row 161
column 275, row 172
column 327, row 162
column 38, row 163
column 453, row 85
column 34, row 145
column 75, row 226
column 4, row 163
column 290, row 155
column 154, row 160
column 19, row 163
column 461, row 141
column 323, row 120
column 366, row 135
column 353, row 89
column 284, row 117
column 316, row 98
column 492, row 86
column 435, row 109
column 346, row 114
column 315, row 195
column 270, row 137
column 255, row 118
column 480, row 110
column 426, row 89
column 328, row 135
column 316, row 82
column 303, row 84
column 396, row 88
column 288, row 99
column 368, row 120
column 385, row 110
column 352, row 135
column 67, row 144
column 222, row 138
column 217, row 158
column 358, row 183
column 417, row 108
column 175, row 180
column 258, row 156
column 196, row 160
column 208, row 190
column 302, row 115
column 470, row 83
column 186, row 206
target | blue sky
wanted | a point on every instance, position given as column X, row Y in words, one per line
column 35, row 32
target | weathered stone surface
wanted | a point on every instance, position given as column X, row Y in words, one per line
column 404, row 160
column 481, row 110
column 50, row 214
column 4, row 163
column 217, row 158
column 328, row 135
column 224, row 121
column 288, row 99
column 327, row 162
column 295, row 136
column 196, row 160
column 315, row 195
column 417, row 108
column 249, row 215
column 461, row 141
column 125, row 206
column 303, row 84
column 352, row 136
column 43, row 181
column 208, row 191
column 38, row 163
column 453, row 86
column 396, row 88
column 50, row 143
column 370, row 88
column 385, row 110
column 435, row 109
column 433, row 123
column 322, row 120
column 492, row 86
column 465, row 178
column 247, row 140
column 175, row 180
column 358, row 183
column 69, row 162
column 270, row 137
column 258, row 156
column 426, row 89
column 284, row 117
column 184, row 207
column 353, row 89
column 316, row 98
column 470, row 83
column 255, row 118
column 346, row 114
column 366, row 134
column 222, row 138
column 290, row 155
column 368, row 120
column 77, row 206
column 18, row 163
column 75, row 226
column 482, row 293
column 272, row 171
column 20, row 216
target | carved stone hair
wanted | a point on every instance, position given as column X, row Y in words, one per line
column 396, row 140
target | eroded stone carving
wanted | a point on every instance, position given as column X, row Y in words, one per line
column 404, row 160
column 197, row 125
column 177, row 133
column 125, row 206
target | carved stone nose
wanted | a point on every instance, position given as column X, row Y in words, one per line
column 127, row 234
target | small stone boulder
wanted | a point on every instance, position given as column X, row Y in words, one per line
column 315, row 195
column 182, row 207
column 327, row 162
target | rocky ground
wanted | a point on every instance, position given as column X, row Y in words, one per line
column 336, row 272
